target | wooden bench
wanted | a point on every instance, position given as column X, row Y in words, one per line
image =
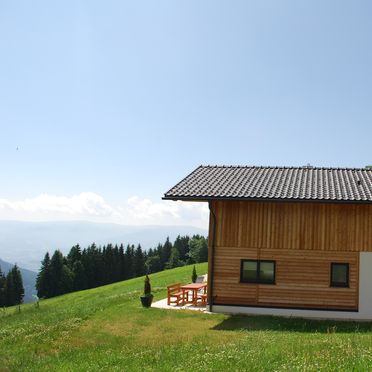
column 175, row 294
column 203, row 299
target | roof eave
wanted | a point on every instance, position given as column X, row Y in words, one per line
column 277, row 200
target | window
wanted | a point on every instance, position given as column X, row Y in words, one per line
column 339, row 274
column 257, row 271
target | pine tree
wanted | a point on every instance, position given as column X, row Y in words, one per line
column 43, row 280
column 18, row 289
column 106, row 257
column 150, row 252
column 79, row 276
column 129, row 261
column 122, row 262
column 61, row 275
column 182, row 245
column 139, row 262
column 67, row 279
column 198, row 249
column 165, row 252
column 87, row 261
column 56, row 268
column 2, row 289
column 174, row 260
column 153, row 264
column 203, row 252
column 116, row 270
column 74, row 255
column 10, row 299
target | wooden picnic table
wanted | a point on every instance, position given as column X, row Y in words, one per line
column 194, row 288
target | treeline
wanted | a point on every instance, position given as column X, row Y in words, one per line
column 11, row 287
column 95, row 266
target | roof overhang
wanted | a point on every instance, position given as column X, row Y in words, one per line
column 278, row 200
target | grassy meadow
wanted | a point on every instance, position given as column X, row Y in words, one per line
column 107, row 329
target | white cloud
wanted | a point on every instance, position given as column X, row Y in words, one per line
column 167, row 212
column 86, row 205
column 91, row 206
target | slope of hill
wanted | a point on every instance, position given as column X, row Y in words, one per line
column 27, row 242
column 29, row 280
column 107, row 329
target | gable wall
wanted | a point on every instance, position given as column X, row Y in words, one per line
column 305, row 226
column 303, row 239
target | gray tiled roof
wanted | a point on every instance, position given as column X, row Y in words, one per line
column 275, row 183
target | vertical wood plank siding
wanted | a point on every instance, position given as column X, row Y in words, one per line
column 303, row 239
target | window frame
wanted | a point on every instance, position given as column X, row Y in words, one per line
column 257, row 280
column 339, row 285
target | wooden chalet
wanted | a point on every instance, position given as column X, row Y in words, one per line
column 291, row 241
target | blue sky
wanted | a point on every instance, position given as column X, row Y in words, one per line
column 115, row 101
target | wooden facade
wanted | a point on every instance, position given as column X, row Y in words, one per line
column 303, row 238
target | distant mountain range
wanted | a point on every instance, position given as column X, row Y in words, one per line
column 25, row 243
column 29, row 280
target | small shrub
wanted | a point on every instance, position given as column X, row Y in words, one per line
column 147, row 286
column 194, row 275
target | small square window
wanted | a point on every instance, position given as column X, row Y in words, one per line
column 257, row 271
column 339, row 274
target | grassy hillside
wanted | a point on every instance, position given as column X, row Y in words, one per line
column 107, row 329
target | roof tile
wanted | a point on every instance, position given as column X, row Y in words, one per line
column 286, row 183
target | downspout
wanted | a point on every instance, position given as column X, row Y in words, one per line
column 210, row 295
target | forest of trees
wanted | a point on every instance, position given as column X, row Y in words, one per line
column 95, row 266
column 11, row 287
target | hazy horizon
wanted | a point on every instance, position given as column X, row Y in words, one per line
column 26, row 242
column 97, row 222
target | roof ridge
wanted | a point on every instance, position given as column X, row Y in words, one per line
column 285, row 167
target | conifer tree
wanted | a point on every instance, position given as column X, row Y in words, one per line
column 182, row 246
column 18, row 290
column 43, row 280
column 61, row 275
column 116, row 269
column 198, row 249
column 166, row 252
column 139, row 262
column 56, row 269
column 174, row 260
column 153, row 264
column 79, row 276
column 129, row 260
column 9, row 290
column 67, row 280
column 2, row 289
column 74, row 255
column 122, row 262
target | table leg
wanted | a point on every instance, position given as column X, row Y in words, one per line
column 183, row 297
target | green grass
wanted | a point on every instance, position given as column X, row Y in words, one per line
column 107, row 329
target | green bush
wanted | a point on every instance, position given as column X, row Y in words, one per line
column 147, row 286
column 194, row 275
